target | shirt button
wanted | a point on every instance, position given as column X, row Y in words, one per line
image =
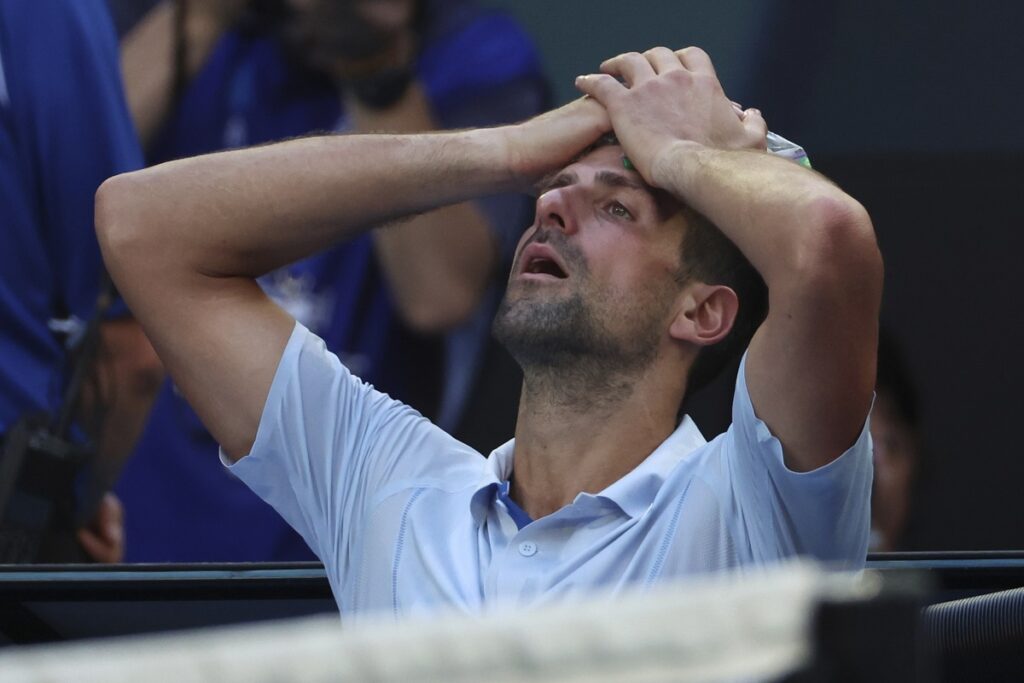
column 527, row 549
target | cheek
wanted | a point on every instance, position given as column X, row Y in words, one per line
column 628, row 265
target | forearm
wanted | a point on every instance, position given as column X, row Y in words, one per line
column 787, row 220
column 246, row 212
column 130, row 375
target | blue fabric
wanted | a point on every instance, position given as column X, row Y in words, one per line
column 518, row 514
column 477, row 68
column 408, row 520
column 64, row 128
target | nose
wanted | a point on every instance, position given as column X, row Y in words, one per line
column 555, row 210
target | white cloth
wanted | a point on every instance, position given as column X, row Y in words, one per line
column 407, row 519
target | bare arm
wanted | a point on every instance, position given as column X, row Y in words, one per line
column 128, row 377
column 184, row 240
column 811, row 365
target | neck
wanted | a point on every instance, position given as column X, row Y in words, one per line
column 582, row 429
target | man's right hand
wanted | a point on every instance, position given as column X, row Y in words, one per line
column 661, row 97
column 547, row 143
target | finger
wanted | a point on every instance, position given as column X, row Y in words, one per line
column 662, row 60
column 696, row 60
column 97, row 548
column 601, row 87
column 632, row 67
column 755, row 124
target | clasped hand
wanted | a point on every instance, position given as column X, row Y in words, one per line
column 652, row 101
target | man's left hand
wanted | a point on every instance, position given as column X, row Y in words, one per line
column 661, row 97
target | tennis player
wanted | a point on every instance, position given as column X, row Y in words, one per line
column 652, row 258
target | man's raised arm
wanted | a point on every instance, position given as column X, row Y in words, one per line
column 185, row 240
column 811, row 365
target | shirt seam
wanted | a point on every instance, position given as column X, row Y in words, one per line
column 399, row 546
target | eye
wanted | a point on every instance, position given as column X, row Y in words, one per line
column 619, row 211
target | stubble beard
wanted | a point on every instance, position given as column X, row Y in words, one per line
column 567, row 350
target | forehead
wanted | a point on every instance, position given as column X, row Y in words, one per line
column 606, row 156
column 607, row 161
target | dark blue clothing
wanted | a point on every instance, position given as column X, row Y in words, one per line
column 64, row 128
column 477, row 68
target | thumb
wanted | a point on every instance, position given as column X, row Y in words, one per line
column 601, row 87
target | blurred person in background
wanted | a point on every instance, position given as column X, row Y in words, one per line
column 64, row 128
column 408, row 306
column 895, row 430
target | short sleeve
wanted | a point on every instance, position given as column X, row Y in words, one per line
column 329, row 444
column 824, row 513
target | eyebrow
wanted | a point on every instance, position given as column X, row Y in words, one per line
column 613, row 179
column 607, row 178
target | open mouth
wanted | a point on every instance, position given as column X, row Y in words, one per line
column 540, row 261
column 540, row 265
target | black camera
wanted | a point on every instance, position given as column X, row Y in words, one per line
column 38, row 510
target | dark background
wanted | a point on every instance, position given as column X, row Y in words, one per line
column 916, row 109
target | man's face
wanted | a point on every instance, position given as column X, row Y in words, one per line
column 597, row 273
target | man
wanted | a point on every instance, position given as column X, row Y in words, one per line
column 600, row 486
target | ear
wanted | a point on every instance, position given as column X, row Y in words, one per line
column 705, row 314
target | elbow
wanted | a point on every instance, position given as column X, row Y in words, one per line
column 115, row 225
column 841, row 249
column 132, row 237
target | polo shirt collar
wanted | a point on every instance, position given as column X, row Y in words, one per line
column 496, row 468
column 633, row 493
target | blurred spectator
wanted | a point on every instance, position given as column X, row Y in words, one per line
column 64, row 128
column 894, row 430
column 204, row 76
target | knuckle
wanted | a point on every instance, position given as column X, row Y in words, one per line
column 680, row 77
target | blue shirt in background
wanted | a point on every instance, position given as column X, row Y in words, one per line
column 64, row 128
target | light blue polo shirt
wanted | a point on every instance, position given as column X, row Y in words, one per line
column 408, row 520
